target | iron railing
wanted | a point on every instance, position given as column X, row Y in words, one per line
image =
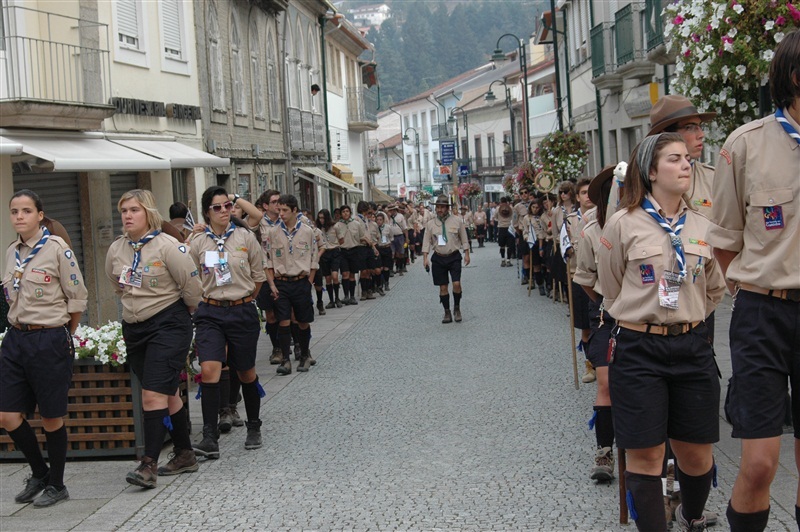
column 623, row 33
column 598, row 51
column 654, row 24
column 362, row 105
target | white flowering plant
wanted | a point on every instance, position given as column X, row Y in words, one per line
column 562, row 153
column 724, row 50
column 105, row 344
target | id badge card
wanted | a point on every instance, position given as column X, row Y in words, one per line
column 213, row 258
column 668, row 288
column 442, row 241
column 222, row 273
column 384, row 240
column 130, row 278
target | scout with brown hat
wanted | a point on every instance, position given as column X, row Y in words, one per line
column 446, row 236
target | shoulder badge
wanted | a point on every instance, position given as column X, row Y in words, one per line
column 725, row 155
column 182, row 248
column 68, row 253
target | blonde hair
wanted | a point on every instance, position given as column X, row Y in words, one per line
column 148, row 202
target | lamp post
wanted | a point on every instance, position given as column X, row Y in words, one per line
column 466, row 129
column 490, row 97
column 388, row 175
column 498, row 55
column 419, row 157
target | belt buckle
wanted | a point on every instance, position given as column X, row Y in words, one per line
column 224, row 303
column 23, row 327
column 674, row 329
column 793, row 294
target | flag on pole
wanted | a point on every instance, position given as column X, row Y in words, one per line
column 566, row 243
column 189, row 221
column 531, row 236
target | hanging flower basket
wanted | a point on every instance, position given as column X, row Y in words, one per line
column 469, row 190
column 510, row 183
column 562, row 153
column 424, row 195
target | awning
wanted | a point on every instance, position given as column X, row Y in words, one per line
column 379, row 196
column 332, row 179
column 82, row 152
column 179, row 155
column 9, row 148
column 344, row 173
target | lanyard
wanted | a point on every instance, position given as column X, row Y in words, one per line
column 19, row 267
column 444, row 229
column 290, row 236
column 790, row 130
column 677, row 245
column 220, row 241
column 137, row 248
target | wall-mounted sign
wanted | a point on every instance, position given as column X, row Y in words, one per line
column 132, row 106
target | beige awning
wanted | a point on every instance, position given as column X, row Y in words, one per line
column 330, row 178
column 345, row 173
column 380, row 197
column 179, row 155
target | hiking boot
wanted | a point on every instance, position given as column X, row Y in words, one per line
column 209, row 445
column 253, row 440
column 363, row 296
column 448, row 318
column 331, row 305
column 305, row 364
column 236, row 419
column 542, row 291
column 285, row 368
column 391, row 273
column 51, row 496
column 145, row 475
column 225, row 421
column 380, row 291
column 386, row 286
column 370, row 294
column 180, row 461
column 686, row 526
column 33, row 486
column 353, row 301
column 590, row 375
column 321, row 308
column 457, row 314
column 339, row 303
column 603, row 464
column 401, row 272
column 276, row 357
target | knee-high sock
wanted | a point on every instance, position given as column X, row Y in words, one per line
column 503, row 253
column 604, row 426
column 335, row 291
column 539, row 278
column 285, row 341
column 209, row 402
column 329, row 288
column 305, row 340
column 180, row 430
column 750, row 522
column 272, row 331
column 252, row 400
column 225, row 386
column 236, row 385
column 694, row 492
column 295, row 333
column 25, row 441
column 645, row 502
column 445, row 301
column 155, row 430
column 456, row 299
column 57, row 454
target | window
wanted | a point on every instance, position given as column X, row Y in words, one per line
column 272, row 82
column 256, row 73
column 179, row 191
column 130, row 40
column 237, row 68
column 215, row 61
column 173, row 46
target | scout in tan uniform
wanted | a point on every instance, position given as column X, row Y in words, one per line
column 756, row 238
column 367, row 252
column 660, row 282
column 446, row 236
column 46, row 296
column 268, row 203
column 400, row 233
column 468, row 220
column 480, row 226
column 292, row 263
column 330, row 262
column 354, row 235
column 503, row 217
column 159, row 287
column 520, row 211
column 376, row 273
column 384, row 246
column 567, row 204
column 533, row 234
column 231, row 264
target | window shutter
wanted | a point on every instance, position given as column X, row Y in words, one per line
column 587, row 45
column 128, row 19
column 171, row 25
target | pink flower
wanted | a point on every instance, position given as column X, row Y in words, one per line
column 727, row 39
column 114, row 357
column 198, row 378
column 709, row 28
column 687, row 53
column 679, row 20
column 794, row 12
column 695, row 37
column 780, row 21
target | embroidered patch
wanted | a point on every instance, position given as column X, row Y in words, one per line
column 147, row 268
column 242, row 264
column 648, row 273
column 243, row 249
column 37, row 270
column 278, row 253
column 68, row 253
column 182, row 249
column 76, row 282
column 698, row 242
column 605, row 242
column 73, row 276
column 153, row 282
column 702, row 202
column 773, row 217
column 47, row 278
column 205, row 269
column 39, row 293
column 725, row 155
column 195, row 273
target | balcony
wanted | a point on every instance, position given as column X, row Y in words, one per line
column 498, row 163
column 57, row 76
column 362, row 109
column 306, row 132
column 604, row 75
column 654, row 31
column 632, row 60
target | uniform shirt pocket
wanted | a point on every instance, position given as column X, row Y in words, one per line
column 154, row 275
column 240, row 259
column 769, row 212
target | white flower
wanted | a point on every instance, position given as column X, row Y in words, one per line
column 738, row 8
column 732, row 33
column 731, row 102
column 743, row 106
column 725, row 71
column 741, row 69
column 779, row 36
column 767, row 55
column 695, row 92
column 769, row 25
column 728, row 46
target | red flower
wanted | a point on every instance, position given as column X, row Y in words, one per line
column 678, row 20
column 794, row 12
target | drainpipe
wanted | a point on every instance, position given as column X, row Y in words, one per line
column 666, row 80
column 322, row 20
column 287, row 140
column 598, row 107
column 403, row 144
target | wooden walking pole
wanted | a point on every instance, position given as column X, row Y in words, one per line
column 530, row 271
column 572, row 328
column 623, row 501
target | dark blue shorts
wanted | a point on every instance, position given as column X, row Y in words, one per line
column 330, row 261
column 236, row 328
column 264, row 299
column 352, row 260
column 386, row 257
column 36, row 369
column 294, row 296
column 765, row 358
column 158, row 347
column 597, row 351
column 446, row 267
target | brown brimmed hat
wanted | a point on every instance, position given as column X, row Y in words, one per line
column 442, row 200
column 671, row 109
column 391, row 207
column 596, row 186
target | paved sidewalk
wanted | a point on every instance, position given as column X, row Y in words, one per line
column 404, row 424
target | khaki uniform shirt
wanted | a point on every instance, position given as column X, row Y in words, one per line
column 51, row 288
column 303, row 257
column 575, row 227
column 504, row 221
column 480, row 218
column 700, row 193
column 586, row 269
column 332, row 236
column 456, row 236
column 263, row 228
column 756, row 205
column 168, row 274
column 373, row 232
column 245, row 258
column 384, row 237
column 520, row 211
column 398, row 224
column 633, row 255
column 354, row 232
column 546, row 220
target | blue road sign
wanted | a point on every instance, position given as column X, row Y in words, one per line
column 463, row 170
column 447, row 148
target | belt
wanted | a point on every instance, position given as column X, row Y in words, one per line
column 221, row 303
column 672, row 329
column 445, row 254
column 25, row 328
column 792, row 294
column 291, row 278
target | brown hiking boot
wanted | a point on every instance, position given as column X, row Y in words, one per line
column 305, row 364
column 276, row 357
column 370, row 294
column 285, row 368
column 448, row 318
column 457, row 314
column 181, row 461
column 145, row 475
column 603, row 468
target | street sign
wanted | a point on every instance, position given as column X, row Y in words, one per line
column 447, row 148
column 442, row 174
column 463, row 170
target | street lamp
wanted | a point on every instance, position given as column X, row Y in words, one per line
column 466, row 128
column 490, row 97
column 419, row 157
column 498, row 55
column 388, row 175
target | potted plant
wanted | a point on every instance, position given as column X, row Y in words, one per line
column 563, row 153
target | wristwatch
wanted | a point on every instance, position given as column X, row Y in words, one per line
column 236, row 198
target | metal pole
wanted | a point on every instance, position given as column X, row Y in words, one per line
column 559, row 109
column 419, row 161
column 523, row 65
column 511, row 117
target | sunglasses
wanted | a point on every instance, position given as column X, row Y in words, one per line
column 219, row 207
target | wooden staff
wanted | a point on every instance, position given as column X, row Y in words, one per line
column 530, row 270
column 572, row 327
column 623, row 501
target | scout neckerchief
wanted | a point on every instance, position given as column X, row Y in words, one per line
column 269, row 221
column 290, row 235
column 531, row 233
column 137, row 248
column 444, row 229
column 19, row 268
column 579, row 215
column 361, row 217
column 220, row 241
column 790, row 130
column 674, row 237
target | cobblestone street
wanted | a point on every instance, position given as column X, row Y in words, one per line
column 405, row 424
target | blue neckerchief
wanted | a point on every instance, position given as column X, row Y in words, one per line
column 270, row 223
column 361, row 217
column 790, row 130
column 290, row 236
column 220, row 241
column 137, row 248
column 674, row 237
column 19, row 267
column 579, row 215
